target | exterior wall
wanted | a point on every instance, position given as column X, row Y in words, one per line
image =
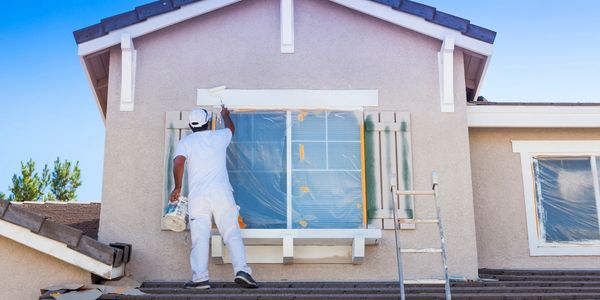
column 239, row 46
column 498, row 196
column 25, row 271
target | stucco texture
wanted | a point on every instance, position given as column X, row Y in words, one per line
column 239, row 46
column 499, row 202
column 25, row 271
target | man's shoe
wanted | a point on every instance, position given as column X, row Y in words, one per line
column 244, row 279
column 202, row 285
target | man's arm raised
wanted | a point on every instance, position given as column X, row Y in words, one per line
column 227, row 119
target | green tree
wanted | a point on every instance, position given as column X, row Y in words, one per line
column 30, row 186
column 2, row 196
column 65, row 181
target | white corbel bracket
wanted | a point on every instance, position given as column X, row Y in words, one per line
column 446, row 72
column 287, row 26
column 128, row 63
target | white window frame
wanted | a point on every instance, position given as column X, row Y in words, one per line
column 528, row 151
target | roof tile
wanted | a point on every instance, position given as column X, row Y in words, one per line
column 23, row 218
column 480, row 33
column 61, row 233
column 119, row 21
column 450, row 21
column 417, row 9
column 3, row 207
column 154, row 8
column 96, row 250
column 179, row 3
column 89, row 33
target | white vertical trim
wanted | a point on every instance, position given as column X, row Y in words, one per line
column 287, row 26
column 288, row 249
column 446, row 71
column 596, row 186
column 327, row 140
column 128, row 59
column 288, row 141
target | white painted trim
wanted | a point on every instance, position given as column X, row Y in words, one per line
column 128, row 65
column 418, row 24
column 153, row 24
column 446, row 74
column 287, row 26
column 88, row 75
column 533, row 116
column 300, row 245
column 529, row 149
column 290, row 99
column 288, row 145
column 58, row 250
column 483, row 73
column 579, row 147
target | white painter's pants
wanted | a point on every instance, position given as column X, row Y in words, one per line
column 221, row 205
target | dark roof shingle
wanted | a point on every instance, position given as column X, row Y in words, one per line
column 141, row 13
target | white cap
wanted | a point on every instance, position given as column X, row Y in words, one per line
column 199, row 117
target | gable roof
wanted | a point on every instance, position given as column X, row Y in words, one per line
column 143, row 12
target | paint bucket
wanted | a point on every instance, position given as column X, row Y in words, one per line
column 175, row 217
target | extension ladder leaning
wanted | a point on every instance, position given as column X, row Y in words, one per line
column 442, row 250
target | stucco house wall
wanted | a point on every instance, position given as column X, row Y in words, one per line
column 500, row 217
column 25, row 271
column 239, row 46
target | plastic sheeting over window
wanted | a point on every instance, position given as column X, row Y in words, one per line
column 566, row 190
column 325, row 169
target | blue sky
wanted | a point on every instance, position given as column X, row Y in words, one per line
column 544, row 51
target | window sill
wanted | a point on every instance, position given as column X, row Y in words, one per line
column 300, row 245
column 565, row 250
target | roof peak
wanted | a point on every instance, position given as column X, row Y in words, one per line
column 143, row 12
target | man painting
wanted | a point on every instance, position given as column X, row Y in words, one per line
column 210, row 194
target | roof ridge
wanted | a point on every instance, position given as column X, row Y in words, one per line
column 143, row 12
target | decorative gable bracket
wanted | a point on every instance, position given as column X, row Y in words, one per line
column 446, row 71
column 128, row 64
column 287, row 26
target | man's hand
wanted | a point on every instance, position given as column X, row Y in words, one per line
column 175, row 195
column 224, row 111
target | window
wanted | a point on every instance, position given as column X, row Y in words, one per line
column 562, row 196
column 318, row 183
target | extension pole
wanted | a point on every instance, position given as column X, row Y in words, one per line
column 397, row 239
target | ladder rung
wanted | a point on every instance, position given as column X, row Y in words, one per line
column 411, row 221
column 424, row 281
column 431, row 193
column 423, row 250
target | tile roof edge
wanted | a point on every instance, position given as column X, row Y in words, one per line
column 141, row 13
column 67, row 235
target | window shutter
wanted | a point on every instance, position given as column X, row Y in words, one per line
column 387, row 154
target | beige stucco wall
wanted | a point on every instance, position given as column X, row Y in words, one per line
column 24, row 271
column 499, row 203
column 239, row 46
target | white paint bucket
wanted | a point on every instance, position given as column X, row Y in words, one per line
column 175, row 218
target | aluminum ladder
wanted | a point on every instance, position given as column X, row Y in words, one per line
column 442, row 250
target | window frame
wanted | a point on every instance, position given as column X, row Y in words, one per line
column 289, row 167
column 564, row 148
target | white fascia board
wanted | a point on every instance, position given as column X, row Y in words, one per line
column 533, row 116
column 560, row 147
column 152, row 24
column 290, row 99
column 418, row 24
column 58, row 250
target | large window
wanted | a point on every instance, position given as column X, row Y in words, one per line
column 562, row 196
column 297, row 169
